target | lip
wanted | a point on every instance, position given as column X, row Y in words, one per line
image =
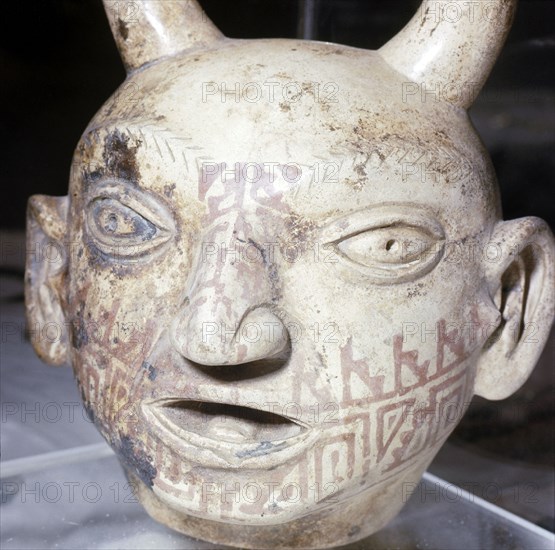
column 225, row 435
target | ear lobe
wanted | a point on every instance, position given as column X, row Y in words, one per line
column 45, row 277
column 522, row 283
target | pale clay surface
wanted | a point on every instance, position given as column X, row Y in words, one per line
column 369, row 287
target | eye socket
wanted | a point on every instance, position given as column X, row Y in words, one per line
column 126, row 230
column 115, row 220
column 387, row 245
column 394, row 253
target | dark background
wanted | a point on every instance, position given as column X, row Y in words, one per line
column 59, row 64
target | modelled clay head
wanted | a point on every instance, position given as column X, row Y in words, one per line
column 285, row 271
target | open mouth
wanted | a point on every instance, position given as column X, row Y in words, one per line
column 229, row 434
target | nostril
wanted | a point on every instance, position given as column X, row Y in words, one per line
column 260, row 335
column 216, row 336
column 245, row 371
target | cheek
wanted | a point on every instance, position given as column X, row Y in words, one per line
column 400, row 406
column 115, row 320
column 399, row 362
column 414, row 386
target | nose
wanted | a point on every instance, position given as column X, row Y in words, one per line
column 228, row 319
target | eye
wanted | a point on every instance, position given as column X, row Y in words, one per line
column 393, row 253
column 116, row 220
column 121, row 231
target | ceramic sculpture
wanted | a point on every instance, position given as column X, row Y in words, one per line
column 283, row 272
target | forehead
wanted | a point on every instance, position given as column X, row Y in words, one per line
column 356, row 140
column 277, row 97
column 159, row 163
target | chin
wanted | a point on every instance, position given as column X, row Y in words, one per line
column 343, row 522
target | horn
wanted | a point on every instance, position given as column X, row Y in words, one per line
column 147, row 30
column 449, row 47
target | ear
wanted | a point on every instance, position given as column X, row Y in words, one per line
column 522, row 283
column 45, row 277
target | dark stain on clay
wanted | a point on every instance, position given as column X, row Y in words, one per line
column 134, row 458
column 117, row 265
column 263, row 448
column 79, row 334
column 169, row 189
column 416, row 291
column 425, row 18
column 360, row 179
column 260, row 249
column 437, row 25
column 299, row 229
column 96, row 256
column 273, row 276
column 89, row 412
column 120, row 157
column 151, row 370
column 89, row 169
column 122, row 29
column 93, row 176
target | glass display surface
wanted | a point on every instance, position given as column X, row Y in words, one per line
column 86, row 502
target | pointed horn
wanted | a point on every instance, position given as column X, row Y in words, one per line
column 146, row 30
column 449, row 47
